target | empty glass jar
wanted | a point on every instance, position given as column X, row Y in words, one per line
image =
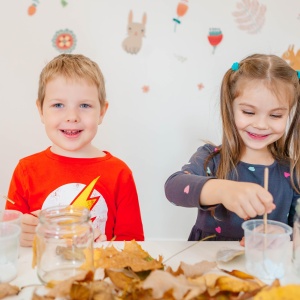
column 64, row 243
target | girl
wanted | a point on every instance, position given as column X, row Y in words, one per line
column 260, row 109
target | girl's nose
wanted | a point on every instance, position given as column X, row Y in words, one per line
column 260, row 124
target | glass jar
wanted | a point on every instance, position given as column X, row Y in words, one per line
column 64, row 243
column 296, row 239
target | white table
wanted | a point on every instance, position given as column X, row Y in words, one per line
column 195, row 252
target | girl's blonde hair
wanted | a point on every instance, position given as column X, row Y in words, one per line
column 74, row 67
column 272, row 71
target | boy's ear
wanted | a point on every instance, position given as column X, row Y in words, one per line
column 103, row 112
column 38, row 105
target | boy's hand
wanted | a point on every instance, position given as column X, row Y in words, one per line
column 98, row 237
column 28, row 225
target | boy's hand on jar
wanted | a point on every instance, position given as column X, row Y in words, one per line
column 98, row 236
column 28, row 225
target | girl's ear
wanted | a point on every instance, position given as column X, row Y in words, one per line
column 40, row 109
column 103, row 112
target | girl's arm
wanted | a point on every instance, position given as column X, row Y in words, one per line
column 243, row 198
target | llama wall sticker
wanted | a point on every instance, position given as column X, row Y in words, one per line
column 136, row 31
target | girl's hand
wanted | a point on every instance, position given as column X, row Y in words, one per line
column 28, row 225
column 246, row 199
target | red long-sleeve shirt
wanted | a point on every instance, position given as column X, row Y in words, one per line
column 105, row 185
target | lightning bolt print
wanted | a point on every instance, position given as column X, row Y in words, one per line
column 83, row 198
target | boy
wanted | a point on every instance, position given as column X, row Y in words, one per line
column 72, row 103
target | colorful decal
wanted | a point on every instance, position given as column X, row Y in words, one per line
column 64, row 41
column 180, row 58
column 182, row 8
column 145, row 89
column 250, row 15
column 215, row 37
column 200, row 87
column 292, row 57
column 136, row 31
column 79, row 194
column 32, row 8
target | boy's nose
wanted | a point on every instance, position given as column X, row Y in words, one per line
column 72, row 120
column 72, row 117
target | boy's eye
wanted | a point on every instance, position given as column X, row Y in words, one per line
column 58, row 105
column 84, row 105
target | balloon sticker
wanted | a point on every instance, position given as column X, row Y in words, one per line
column 182, row 8
column 215, row 37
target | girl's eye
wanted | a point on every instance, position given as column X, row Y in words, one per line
column 248, row 112
column 85, row 105
column 58, row 105
column 276, row 116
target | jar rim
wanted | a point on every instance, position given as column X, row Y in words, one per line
column 53, row 214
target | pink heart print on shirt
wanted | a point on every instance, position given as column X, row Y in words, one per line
column 187, row 189
column 218, row 229
column 286, row 174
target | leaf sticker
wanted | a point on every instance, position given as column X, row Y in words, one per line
column 250, row 16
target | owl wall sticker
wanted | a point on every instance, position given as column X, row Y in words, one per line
column 136, row 31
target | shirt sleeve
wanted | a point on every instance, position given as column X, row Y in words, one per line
column 184, row 187
column 18, row 191
column 128, row 222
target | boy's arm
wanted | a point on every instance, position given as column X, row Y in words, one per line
column 128, row 222
column 17, row 191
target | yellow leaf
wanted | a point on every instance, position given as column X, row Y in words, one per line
column 287, row 292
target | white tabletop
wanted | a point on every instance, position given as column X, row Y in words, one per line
column 173, row 253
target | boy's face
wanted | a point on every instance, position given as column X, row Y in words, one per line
column 71, row 113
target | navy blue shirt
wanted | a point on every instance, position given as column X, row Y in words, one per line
column 184, row 187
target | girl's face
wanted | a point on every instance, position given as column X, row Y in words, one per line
column 71, row 113
column 260, row 116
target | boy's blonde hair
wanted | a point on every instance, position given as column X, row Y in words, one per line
column 75, row 67
column 275, row 73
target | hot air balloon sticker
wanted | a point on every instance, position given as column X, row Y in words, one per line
column 215, row 37
column 33, row 7
column 182, row 8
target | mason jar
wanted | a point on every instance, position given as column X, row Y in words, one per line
column 64, row 243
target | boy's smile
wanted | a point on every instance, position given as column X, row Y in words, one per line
column 71, row 113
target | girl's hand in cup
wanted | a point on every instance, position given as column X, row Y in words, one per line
column 28, row 224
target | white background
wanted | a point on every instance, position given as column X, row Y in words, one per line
column 155, row 133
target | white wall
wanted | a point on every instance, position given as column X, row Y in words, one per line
column 156, row 132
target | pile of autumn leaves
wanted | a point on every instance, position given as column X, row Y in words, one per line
column 133, row 274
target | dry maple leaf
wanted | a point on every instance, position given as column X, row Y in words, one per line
column 162, row 282
column 122, row 278
column 197, row 269
column 63, row 288
column 287, row 292
column 102, row 290
column 7, row 289
column 133, row 256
